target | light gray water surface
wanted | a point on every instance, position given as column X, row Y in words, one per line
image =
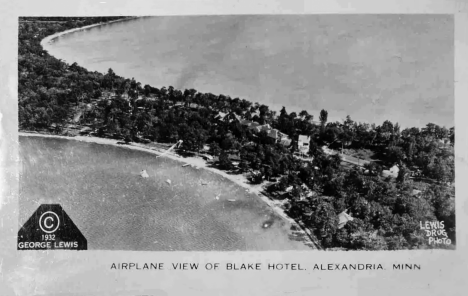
column 372, row 67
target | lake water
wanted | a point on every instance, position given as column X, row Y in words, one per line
column 100, row 188
column 373, row 67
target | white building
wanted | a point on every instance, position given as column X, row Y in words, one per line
column 343, row 219
column 394, row 170
column 303, row 143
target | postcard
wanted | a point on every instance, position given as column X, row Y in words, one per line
column 238, row 150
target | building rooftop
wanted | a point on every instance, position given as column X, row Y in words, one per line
column 303, row 138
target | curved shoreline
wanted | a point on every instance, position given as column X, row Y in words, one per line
column 50, row 38
column 197, row 162
column 194, row 161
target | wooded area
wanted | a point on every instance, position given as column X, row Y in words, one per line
column 387, row 213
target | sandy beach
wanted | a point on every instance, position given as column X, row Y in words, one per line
column 52, row 37
column 196, row 162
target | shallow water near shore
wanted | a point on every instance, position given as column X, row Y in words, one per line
column 100, row 188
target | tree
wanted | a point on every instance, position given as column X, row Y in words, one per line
column 396, row 129
column 440, row 169
column 403, row 174
column 224, row 162
column 396, row 242
column 257, row 177
column 243, row 165
column 385, row 132
column 109, row 79
column 331, row 134
column 127, row 137
column 296, row 193
column 411, row 150
column 367, row 240
column 452, row 135
column 346, row 137
column 263, row 110
column 444, row 205
column 323, row 117
column 227, row 142
column 305, row 115
column 396, row 154
column 430, row 130
column 215, row 149
column 314, row 149
column 348, row 123
column 325, row 221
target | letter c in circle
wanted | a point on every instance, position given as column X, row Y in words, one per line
column 47, row 226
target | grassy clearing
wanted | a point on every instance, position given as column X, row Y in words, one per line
column 365, row 154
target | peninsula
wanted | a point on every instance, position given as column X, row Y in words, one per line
column 343, row 185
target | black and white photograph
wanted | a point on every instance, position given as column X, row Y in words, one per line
column 246, row 147
column 319, row 132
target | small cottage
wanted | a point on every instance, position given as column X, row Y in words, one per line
column 343, row 219
column 303, row 143
column 394, row 170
